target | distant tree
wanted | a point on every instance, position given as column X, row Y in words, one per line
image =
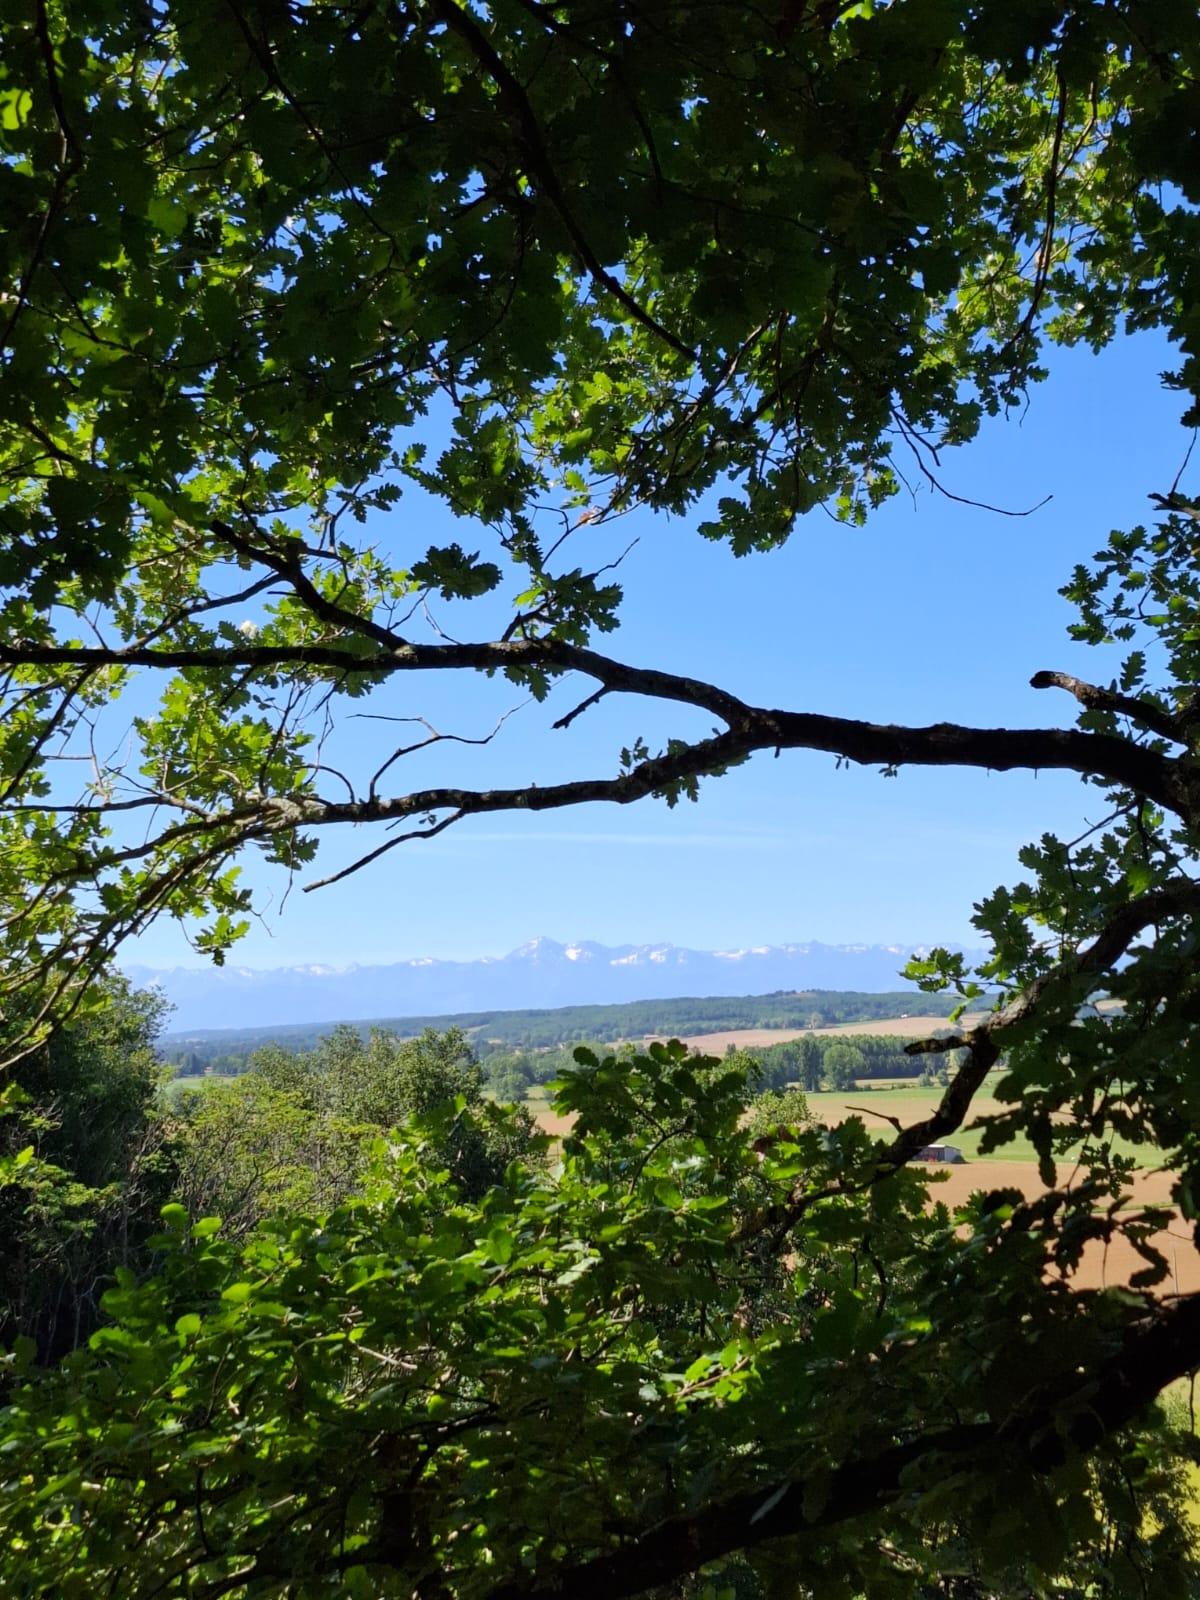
column 248, row 1150
column 843, row 1065
column 775, row 1110
column 297, row 1131
column 509, row 1075
column 398, row 1077
column 811, row 1065
column 289, row 1072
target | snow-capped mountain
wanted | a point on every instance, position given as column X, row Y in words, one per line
column 542, row 973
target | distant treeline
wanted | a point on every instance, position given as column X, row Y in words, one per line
column 839, row 1061
column 813, row 1061
column 500, row 1033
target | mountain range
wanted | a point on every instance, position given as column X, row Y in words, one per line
column 542, row 973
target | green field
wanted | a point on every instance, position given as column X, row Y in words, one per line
column 910, row 1102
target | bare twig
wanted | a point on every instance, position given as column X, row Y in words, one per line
column 584, row 705
column 382, row 850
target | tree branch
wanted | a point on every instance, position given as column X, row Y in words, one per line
column 942, row 745
column 526, row 119
column 287, row 564
column 69, row 163
column 985, row 1042
column 1171, row 782
column 1066, row 1414
column 1144, row 712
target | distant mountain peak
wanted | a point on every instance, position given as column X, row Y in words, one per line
column 543, row 972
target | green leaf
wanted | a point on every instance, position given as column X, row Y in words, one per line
column 500, row 1246
column 14, row 108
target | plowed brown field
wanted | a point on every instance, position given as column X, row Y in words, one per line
column 1103, row 1266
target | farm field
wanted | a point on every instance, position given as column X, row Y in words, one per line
column 910, row 1103
column 875, row 1103
column 914, row 1027
column 1013, row 1167
column 546, row 1118
column 1103, row 1266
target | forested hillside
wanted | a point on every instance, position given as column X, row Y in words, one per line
column 227, row 1050
column 91, row 1150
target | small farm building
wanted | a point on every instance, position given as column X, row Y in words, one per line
column 940, row 1152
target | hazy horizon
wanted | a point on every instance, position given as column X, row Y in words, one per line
column 541, row 974
column 199, row 963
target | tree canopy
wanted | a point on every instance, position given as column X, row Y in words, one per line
column 621, row 255
column 624, row 253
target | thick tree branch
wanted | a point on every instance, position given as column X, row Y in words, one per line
column 1169, row 781
column 395, row 657
column 1066, row 1414
column 941, row 745
column 995, row 749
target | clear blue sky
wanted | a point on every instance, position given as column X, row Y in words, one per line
column 934, row 611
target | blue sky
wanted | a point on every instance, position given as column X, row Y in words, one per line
column 934, row 611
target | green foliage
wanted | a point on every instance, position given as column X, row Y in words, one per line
column 424, row 1388
column 647, row 256
column 774, row 1110
column 248, row 1149
column 296, row 1133
column 85, row 1162
column 844, row 1065
column 812, row 1061
column 635, row 261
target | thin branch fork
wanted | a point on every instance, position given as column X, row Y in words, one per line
column 1091, row 696
column 286, row 564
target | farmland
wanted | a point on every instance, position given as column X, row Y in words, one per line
column 908, row 1027
column 1012, row 1166
column 1103, row 1265
column 906, row 1103
column 759, row 1019
column 909, row 1102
